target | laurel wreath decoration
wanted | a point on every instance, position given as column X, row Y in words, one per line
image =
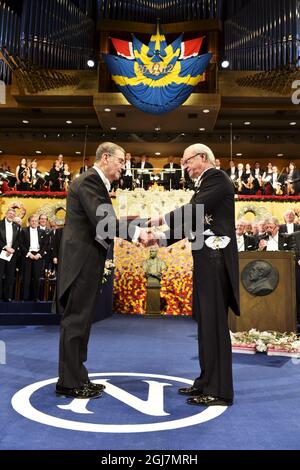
column 259, row 212
column 52, row 210
column 19, row 208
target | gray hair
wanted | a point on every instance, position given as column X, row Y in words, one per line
column 107, row 147
column 273, row 220
column 289, row 211
column 201, row 148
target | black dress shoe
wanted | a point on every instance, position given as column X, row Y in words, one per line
column 190, row 391
column 93, row 386
column 81, row 392
column 208, row 400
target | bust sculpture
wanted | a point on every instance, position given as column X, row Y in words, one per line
column 153, row 268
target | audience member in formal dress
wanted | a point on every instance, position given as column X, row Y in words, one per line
column 238, row 183
column 33, row 243
column 292, row 180
column 232, row 171
column 9, row 244
column 289, row 226
column 248, row 180
column 267, row 174
column 218, row 164
column 23, row 175
column 143, row 172
column 275, row 182
column 66, row 178
column 257, row 171
column 244, row 242
column 55, row 177
column 248, row 228
column 36, row 178
column 85, row 166
column 55, row 239
column 44, row 225
column 172, row 174
column 60, row 160
column 276, row 241
column 128, row 173
column 261, row 229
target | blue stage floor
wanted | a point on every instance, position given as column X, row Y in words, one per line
column 143, row 361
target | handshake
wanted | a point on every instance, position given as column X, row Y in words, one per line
column 149, row 237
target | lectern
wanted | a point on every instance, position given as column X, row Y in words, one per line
column 268, row 302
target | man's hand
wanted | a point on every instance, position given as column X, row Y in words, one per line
column 262, row 245
column 147, row 238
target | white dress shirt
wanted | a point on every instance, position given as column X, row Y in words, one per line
column 34, row 240
column 272, row 243
column 8, row 233
column 290, row 228
column 107, row 185
column 240, row 242
column 128, row 171
column 103, row 177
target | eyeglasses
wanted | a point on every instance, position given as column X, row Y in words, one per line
column 120, row 160
column 184, row 163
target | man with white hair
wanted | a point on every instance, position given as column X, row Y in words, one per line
column 215, row 274
column 275, row 241
column 289, row 226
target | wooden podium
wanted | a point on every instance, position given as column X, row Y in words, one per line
column 275, row 311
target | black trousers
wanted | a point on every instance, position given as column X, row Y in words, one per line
column 78, row 313
column 7, row 269
column 128, row 180
column 211, row 290
column 32, row 271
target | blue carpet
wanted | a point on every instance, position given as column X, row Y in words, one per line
column 141, row 410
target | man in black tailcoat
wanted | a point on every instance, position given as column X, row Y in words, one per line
column 83, row 251
column 215, row 274
column 9, row 245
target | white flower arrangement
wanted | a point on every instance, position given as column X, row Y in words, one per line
column 108, row 270
column 272, row 342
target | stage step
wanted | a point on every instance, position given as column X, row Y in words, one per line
column 27, row 313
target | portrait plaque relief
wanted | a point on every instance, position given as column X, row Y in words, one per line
column 260, row 278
